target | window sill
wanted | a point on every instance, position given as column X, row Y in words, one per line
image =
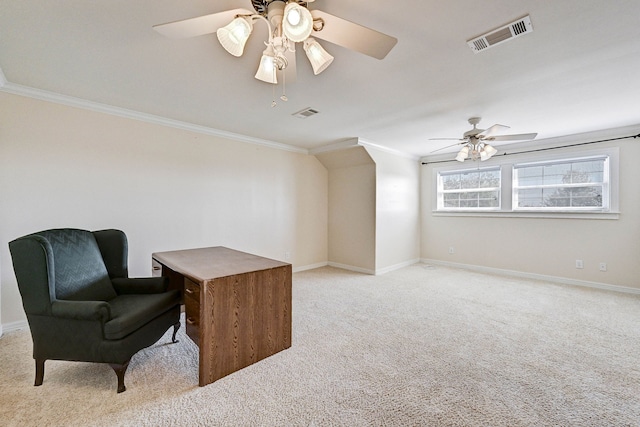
column 530, row 214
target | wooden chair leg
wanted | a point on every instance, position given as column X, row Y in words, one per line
column 120, row 370
column 176, row 327
column 39, row 371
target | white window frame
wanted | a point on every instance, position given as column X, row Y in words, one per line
column 441, row 192
column 605, row 185
column 506, row 164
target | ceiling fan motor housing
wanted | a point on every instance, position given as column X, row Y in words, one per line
column 475, row 131
column 261, row 6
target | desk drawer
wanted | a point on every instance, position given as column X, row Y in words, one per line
column 191, row 290
column 192, row 309
column 156, row 268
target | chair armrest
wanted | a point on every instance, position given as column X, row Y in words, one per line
column 141, row 285
column 81, row 310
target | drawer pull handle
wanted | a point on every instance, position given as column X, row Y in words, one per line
column 191, row 321
column 189, row 291
column 156, row 268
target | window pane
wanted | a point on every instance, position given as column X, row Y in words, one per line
column 458, row 189
column 575, row 197
column 469, row 180
column 557, row 185
column 586, row 196
column 469, row 196
column 587, row 172
column 530, row 198
column 489, row 199
column 530, row 176
column 451, row 200
column 451, row 182
column 556, row 174
column 490, row 179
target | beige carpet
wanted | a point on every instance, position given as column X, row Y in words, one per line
column 421, row 346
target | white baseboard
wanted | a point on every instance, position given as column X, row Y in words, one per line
column 396, row 266
column 351, row 268
column 13, row 326
column 521, row 274
column 310, row 267
column 376, row 272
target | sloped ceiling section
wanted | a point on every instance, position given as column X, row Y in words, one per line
column 353, row 156
column 575, row 72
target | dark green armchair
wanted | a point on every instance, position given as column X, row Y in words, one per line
column 80, row 303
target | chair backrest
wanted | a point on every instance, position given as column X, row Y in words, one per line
column 74, row 262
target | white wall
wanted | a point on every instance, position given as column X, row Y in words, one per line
column 374, row 221
column 166, row 188
column 397, row 210
column 546, row 246
column 352, row 217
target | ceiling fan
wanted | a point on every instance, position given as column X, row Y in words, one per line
column 289, row 22
column 475, row 141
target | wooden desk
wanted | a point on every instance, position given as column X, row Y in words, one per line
column 237, row 306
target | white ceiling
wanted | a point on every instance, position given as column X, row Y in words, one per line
column 578, row 71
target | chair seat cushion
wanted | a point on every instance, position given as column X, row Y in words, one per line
column 131, row 312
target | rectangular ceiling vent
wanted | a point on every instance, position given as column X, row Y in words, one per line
column 307, row 112
column 500, row 35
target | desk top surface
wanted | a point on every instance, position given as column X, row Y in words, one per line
column 205, row 264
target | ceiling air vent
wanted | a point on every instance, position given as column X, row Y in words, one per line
column 500, row 35
column 307, row 112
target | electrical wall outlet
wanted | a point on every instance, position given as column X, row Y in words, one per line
column 603, row 266
column 579, row 263
column 452, row 250
column 287, row 255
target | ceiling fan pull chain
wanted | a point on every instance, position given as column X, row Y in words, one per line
column 273, row 96
column 284, row 89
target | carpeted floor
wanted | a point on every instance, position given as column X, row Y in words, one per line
column 420, row 346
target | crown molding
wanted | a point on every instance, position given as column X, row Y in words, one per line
column 366, row 143
column 359, row 142
column 43, row 95
column 341, row 145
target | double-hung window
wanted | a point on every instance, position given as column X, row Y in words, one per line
column 477, row 189
column 577, row 184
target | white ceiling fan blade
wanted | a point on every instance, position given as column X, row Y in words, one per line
column 447, row 139
column 493, row 130
column 449, row 146
column 199, row 26
column 515, row 137
column 353, row 36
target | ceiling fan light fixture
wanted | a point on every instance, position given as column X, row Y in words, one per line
column 234, row 35
column 487, row 152
column 319, row 58
column 267, row 68
column 297, row 24
column 463, row 154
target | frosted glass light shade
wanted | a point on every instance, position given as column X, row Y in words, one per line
column 297, row 23
column 463, row 154
column 267, row 68
column 320, row 59
column 234, row 36
column 487, row 152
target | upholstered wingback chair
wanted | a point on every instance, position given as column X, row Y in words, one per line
column 80, row 303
